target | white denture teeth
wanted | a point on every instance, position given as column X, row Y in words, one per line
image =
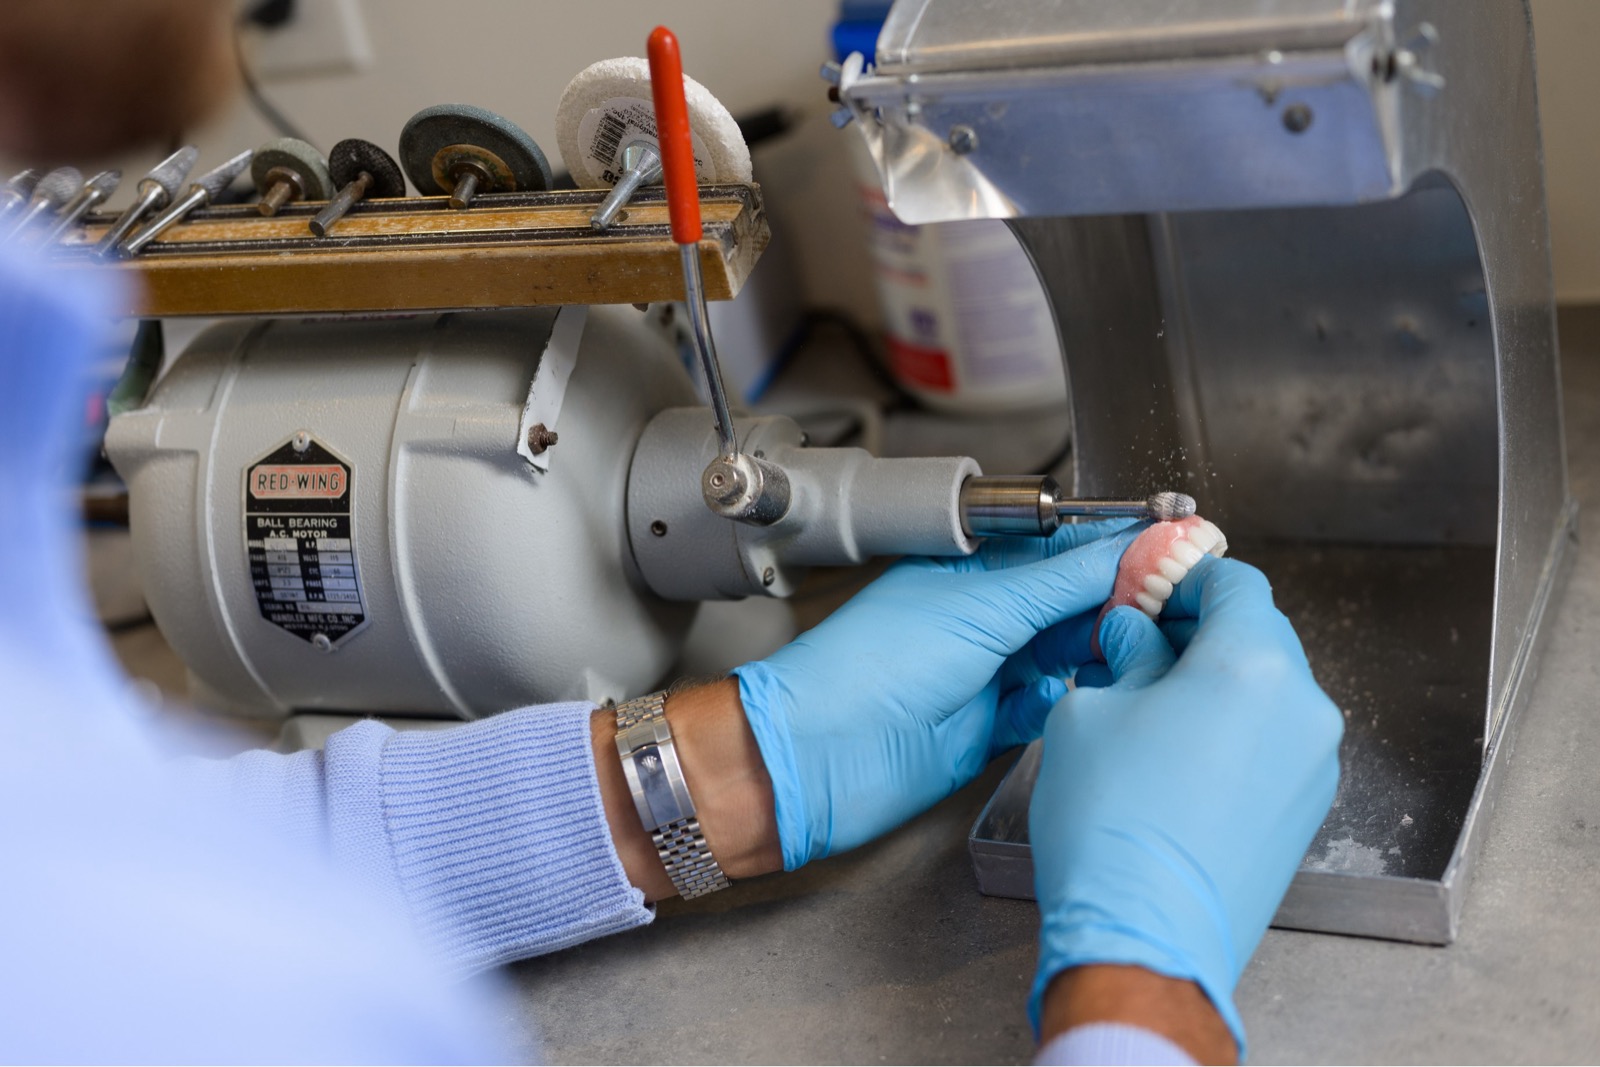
column 1158, row 586
column 1171, row 570
column 1191, row 544
column 1207, row 538
column 1202, row 538
column 1185, row 553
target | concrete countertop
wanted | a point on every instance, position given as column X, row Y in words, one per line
column 889, row 954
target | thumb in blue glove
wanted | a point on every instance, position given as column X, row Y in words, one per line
column 1173, row 807
column 904, row 694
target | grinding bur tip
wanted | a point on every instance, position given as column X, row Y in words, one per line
column 106, row 182
column 59, row 186
column 216, row 180
column 1166, row 507
column 170, row 172
column 23, row 182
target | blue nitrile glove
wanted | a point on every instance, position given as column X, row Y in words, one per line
column 904, row 694
column 1173, row 807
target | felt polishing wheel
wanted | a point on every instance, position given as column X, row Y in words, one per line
column 446, row 135
column 352, row 156
column 608, row 105
column 292, row 154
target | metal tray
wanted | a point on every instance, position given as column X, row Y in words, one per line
column 1400, row 638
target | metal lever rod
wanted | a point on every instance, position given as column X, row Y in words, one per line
column 683, row 205
column 735, row 486
column 700, row 325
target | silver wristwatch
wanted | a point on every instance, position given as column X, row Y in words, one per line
column 650, row 763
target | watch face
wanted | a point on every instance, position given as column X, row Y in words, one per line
column 656, row 785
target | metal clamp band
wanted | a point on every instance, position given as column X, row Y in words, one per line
column 655, row 778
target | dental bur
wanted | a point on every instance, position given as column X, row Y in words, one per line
column 53, row 190
column 155, row 191
column 201, row 192
column 95, row 191
column 17, row 190
column 1034, row 507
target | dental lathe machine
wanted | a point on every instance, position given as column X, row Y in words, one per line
column 432, row 465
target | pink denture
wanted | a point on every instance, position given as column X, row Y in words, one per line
column 1156, row 561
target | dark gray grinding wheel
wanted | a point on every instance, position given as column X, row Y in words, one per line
column 352, row 155
column 298, row 158
column 442, row 138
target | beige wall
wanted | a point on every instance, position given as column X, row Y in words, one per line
column 515, row 57
column 1567, row 33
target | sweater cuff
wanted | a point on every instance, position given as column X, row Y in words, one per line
column 1112, row 1043
column 499, row 836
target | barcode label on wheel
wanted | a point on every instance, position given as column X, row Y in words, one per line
column 606, row 131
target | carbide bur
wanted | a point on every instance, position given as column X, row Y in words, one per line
column 1170, row 506
column 1161, row 507
column 205, row 189
column 1033, row 506
column 52, row 191
column 95, row 191
column 155, row 192
column 17, row 189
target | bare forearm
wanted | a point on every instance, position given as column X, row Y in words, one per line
column 725, row 774
column 1112, row 993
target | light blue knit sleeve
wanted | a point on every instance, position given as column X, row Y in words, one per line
column 146, row 917
column 1112, row 1043
column 490, row 835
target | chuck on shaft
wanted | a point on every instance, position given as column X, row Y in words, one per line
column 1032, row 506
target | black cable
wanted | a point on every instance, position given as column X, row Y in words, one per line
column 123, row 626
column 1060, row 457
column 269, row 14
column 861, row 343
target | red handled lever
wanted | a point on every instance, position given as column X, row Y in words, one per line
column 735, row 486
column 672, row 133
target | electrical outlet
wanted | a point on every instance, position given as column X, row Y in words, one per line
column 322, row 37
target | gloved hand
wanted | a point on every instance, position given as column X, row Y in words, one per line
column 909, row 690
column 1173, row 807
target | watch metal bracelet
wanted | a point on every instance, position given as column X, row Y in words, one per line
column 655, row 779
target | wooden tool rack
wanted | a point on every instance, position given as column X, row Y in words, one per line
column 417, row 254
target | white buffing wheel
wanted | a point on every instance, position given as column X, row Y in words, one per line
column 608, row 105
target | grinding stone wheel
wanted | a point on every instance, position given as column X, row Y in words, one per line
column 296, row 155
column 608, row 105
column 353, row 155
column 437, row 135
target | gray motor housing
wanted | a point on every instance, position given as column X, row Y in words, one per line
column 486, row 584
